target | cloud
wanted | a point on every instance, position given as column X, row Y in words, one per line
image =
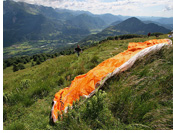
column 44, row 2
column 123, row 7
column 168, row 8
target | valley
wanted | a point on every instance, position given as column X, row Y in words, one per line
column 30, row 29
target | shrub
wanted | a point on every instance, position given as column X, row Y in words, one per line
column 95, row 114
column 157, row 34
column 38, row 62
column 110, row 38
column 21, row 66
column 128, row 36
column 32, row 64
column 15, row 68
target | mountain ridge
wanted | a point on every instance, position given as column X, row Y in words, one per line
column 85, row 21
column 129, row 26
column 29, row 24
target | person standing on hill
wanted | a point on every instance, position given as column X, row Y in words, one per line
column 149, row 34
column 77, row 50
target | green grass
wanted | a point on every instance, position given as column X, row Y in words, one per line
column 139, row 98
column 34, row 47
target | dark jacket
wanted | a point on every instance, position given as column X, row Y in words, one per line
column 77, row 49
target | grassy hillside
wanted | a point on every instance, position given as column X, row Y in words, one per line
column 136, row 99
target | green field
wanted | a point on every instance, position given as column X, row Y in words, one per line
column 140, row 98
column 34, row 47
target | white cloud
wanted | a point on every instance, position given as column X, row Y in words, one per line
column 123, row 7
column 168, row 8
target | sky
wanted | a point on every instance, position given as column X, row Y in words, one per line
column 161, row 8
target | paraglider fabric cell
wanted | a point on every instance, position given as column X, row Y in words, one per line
column 87, row 84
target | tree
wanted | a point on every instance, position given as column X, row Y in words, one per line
column 4, row 65
column 56, row 54
column 33, row 64
column 41, row 59
column 52, row 56
column 35, row 58
column 38, row 62
column 44, row 56
column 21, row 66
column 15, row 68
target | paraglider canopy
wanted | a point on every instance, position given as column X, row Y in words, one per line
column 87, row 84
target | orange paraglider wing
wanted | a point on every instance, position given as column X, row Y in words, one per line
column 85, row 85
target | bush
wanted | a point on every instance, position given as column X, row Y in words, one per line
column 32, row 64
column 157, row 34
column 15, row 68
column 21, row 66
column 95, row 114
column 38, row 62
column 110, row 38
column 128, row 36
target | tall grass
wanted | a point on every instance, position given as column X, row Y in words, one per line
column 137, row 99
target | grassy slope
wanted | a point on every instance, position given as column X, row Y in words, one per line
column 137, row 99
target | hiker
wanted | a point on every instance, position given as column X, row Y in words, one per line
column 78, row 49
column 149, row 34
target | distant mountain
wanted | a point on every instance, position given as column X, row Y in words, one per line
column 84, row 21
column 167, row 26
column 109, row 18
column 48, row 12
column 134, row 26
column 115, row 23
column 165, row 20
column 129, row 26
column 22, row 22
column 73, row 12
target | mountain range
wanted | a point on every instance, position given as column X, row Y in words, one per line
column 25, row 22
column 129, row 26
column 22, row 22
